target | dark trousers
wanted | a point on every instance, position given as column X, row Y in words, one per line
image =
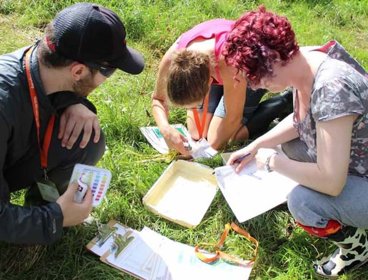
column 61, row 162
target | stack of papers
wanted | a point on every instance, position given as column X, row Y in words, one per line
column 149, row 255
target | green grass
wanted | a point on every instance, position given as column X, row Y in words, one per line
column 123, row 102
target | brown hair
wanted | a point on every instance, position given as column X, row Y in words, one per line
column 188, row 77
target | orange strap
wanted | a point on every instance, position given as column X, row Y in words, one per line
column 34, row 100
column 226, row 257
column 201, row 124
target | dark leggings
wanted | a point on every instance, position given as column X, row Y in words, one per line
column 257, row 115
column 276, row 107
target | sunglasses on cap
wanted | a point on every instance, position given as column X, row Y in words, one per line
column 103, row 69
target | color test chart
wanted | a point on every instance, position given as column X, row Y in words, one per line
column 98, row 179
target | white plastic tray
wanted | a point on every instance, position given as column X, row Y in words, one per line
column 183, row 193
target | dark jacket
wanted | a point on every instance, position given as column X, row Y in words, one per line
column 18, row 141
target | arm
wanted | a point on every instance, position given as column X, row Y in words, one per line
column 30, row 225
column 281, row 133
column 329, row 174
column 220, row 132
column 159, row 103
column 160, row 107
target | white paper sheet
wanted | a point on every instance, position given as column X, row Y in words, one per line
column 252, row 192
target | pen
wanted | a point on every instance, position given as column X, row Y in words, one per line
column 187, row 146
column 238, row 160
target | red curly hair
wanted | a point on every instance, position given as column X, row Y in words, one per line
column 257, row 40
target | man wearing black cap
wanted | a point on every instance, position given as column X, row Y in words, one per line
column 46, row 122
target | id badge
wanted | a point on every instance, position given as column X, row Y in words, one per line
column 48, row 190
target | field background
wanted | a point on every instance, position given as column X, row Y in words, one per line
column 123, row 103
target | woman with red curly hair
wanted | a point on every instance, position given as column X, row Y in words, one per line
column 193, row 74
column 326, row 138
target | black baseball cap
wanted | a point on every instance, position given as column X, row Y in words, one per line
column 87, row 32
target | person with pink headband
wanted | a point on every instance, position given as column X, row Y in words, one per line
column 193, row 75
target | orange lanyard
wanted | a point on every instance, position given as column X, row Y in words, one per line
column 201, row 124
column 35, row 106
column 226, row 257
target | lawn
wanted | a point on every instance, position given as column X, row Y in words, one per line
column 123, row 103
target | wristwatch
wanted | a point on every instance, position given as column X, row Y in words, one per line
column 267, row 164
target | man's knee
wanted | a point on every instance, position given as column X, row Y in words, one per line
column 65, row 160
column 93, row 152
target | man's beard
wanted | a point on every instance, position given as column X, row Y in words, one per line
column 84, row 87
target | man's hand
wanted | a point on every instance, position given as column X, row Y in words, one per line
column 74, row 213
column 74, row 119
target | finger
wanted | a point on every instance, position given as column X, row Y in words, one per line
column 183, row 147
column 229, row 161
column 97, row 130
column 183, row 138
column 88, row 196
column 87, row 131
column 68, row 130
column 71, row 190
column 232, row 159
column 177, row 144
column 88, row 199
column 74, row 135
column 240, row 166
column 62, row 126
column 243, row 163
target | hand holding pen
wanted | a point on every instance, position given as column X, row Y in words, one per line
column 240, row 158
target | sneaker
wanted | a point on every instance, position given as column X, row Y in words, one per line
column 352, row 252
